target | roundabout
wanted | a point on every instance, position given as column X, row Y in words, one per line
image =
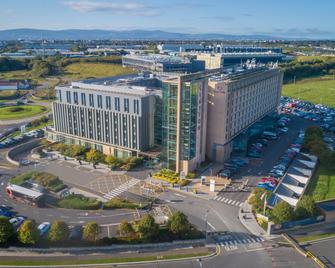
column 21, row 111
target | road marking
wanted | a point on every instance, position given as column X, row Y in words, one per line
column 180, row 195
column 210, row 225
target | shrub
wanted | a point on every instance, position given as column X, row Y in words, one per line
column 282, row 212
column 77, row 201
column 59, row 232
column 120, row 203
column 16, row 109
column 178, row 224
column 6, row 230
column 91, row 231
column 28, row 233
column 147, row 228
column 125, row 228
column 306, row 207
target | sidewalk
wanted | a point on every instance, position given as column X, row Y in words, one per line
column 249, row 221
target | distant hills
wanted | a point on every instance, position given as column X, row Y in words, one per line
column 78, row 34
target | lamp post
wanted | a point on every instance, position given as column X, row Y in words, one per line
column 206, row 223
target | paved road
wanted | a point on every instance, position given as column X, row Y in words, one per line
column 324, row 250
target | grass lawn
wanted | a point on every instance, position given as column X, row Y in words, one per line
column 102, row 261
column 317, row 90
column 322, row 185
column 94, row 70
column 21, row 111
column 307, row 238
column 76, row 201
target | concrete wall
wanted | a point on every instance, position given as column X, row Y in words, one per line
column 20, row 149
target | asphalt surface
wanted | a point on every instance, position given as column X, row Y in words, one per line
column 260, row 167
column 324, row 249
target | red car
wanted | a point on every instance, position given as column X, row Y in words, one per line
column 270, row 179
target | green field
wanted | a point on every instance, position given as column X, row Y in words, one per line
column 94, row 70
column 322, row 185
column 21, row 111
column 317, row 90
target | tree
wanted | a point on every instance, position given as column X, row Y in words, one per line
column 125, row 228
column 59, row 231
column 6, row 230
column 306, row 207
column 28, row 233
column 92, row 156
column 147, row 228
column 282, row 212
column 91, row 231
column 178, row 224
column 111, row 161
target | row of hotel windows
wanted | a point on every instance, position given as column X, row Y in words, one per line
column 136, row 105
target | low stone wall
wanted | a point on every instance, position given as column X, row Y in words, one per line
column 20, row 149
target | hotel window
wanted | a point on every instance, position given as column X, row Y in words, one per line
column 126, row 105
column 136, row 106
column 99, row 101
column 60, row 95
column 68, row 96
column 117, row 104
column 108, row 102
column 91, row 99
column 75, row 97
column 83, row 99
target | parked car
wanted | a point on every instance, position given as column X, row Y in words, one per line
column 17, row 221
column 43, row 228
column 76, row 233
column 6, row 212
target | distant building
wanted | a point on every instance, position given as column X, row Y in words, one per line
column 235, row 102
column 163, row 63
column 212, row 61
column 167, row 48
column 13, row 84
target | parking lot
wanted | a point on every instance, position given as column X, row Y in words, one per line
column 260, row 167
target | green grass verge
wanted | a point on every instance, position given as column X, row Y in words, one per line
column 102, row 261
column 308, row 238
column 116, row 203
column 21, row 111
column 94, row 70
column 316, row 90
column 322, row 185
column 49, row 181
column 76, row 201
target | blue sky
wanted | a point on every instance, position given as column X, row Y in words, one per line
column 290, row 18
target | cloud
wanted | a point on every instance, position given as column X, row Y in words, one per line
column 247, row 15
column 132, row 8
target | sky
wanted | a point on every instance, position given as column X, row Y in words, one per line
column 286, row 18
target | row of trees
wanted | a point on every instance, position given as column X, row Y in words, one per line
column 303, row 69
column 282, row 211
column 59, row 232
column 147, row 229
column 314, row 144
column 93, row 156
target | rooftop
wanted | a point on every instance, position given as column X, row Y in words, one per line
column 157, row 58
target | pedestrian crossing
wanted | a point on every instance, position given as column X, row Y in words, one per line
column 121, row 189
column 228, row 201
column 240, row 239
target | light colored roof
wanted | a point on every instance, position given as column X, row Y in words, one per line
column 25, row 191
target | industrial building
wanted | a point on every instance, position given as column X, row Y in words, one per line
column 162, row 63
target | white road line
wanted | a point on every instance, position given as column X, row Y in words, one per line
column 210, row 225
column 233, row 203
column 229, row 202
